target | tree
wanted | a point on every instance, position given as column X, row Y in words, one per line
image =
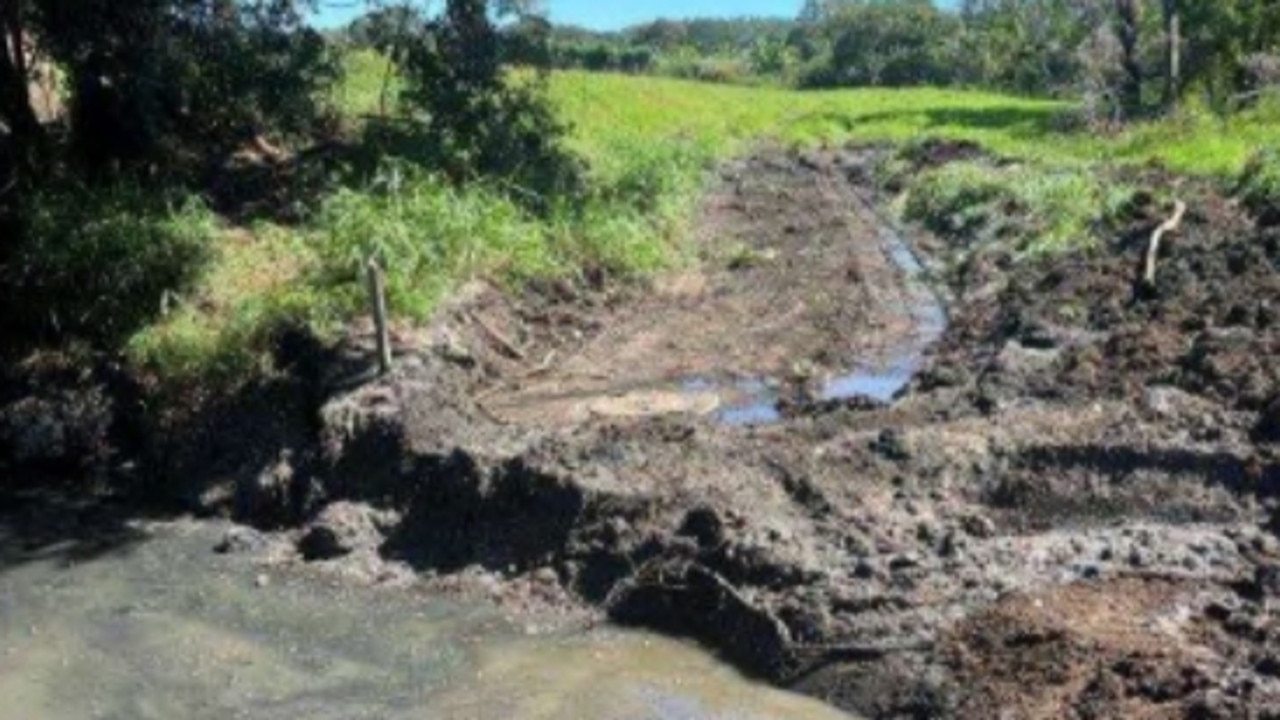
column 1172, row 15
column 21, row 130
column 156, row 83
column 1128, row 30
column 887, row 43
column 470, row 121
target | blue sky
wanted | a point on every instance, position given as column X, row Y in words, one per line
column 608, row 14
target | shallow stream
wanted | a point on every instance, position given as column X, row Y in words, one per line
column 164, row 629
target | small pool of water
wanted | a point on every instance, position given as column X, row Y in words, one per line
column 756, row 401
column 165, row 629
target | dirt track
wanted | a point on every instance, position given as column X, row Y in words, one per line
column 798, row 293
column 1067, row 514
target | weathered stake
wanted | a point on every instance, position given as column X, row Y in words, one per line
column 378, row 300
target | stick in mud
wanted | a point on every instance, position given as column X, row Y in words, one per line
column 378, row 300
column 1153, row 250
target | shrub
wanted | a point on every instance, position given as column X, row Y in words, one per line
column 1259, row 185
column 98, row 264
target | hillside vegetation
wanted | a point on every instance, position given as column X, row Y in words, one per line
column 647, row 142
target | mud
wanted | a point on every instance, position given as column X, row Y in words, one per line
column 1054, row 497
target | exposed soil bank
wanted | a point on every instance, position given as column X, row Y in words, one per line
column 1069, row 514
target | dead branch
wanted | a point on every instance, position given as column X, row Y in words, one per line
column 1153, row 249
column 542, row 368
column 506, row 346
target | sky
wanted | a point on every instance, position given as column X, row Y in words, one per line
column 608, row 14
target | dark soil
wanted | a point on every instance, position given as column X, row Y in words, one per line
column 1070, row 513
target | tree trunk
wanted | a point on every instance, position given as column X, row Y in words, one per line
column 15, row 93
column 1129, row 18
column 1173, row 53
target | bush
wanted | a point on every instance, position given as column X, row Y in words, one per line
column 1259, row 185
column 472, row 120
column 97, row 264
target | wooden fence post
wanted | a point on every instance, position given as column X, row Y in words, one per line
column 378, row 301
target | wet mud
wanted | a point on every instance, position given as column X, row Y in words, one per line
column 906, row 478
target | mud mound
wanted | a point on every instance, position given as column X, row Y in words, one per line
column 1092, row 330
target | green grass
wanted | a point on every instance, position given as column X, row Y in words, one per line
column 1028, row 208
column 647, row 143
column 608, row 110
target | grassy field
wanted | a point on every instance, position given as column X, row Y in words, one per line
column 647, row 142
column 617, row 110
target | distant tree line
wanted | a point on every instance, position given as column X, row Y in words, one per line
column 1125, row 58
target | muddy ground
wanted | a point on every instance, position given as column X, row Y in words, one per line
column 1069, row 512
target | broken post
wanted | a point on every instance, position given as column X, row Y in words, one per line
column 1153, row 250
column 378, row 301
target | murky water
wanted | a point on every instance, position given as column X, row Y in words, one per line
column 755, row 401
column 165, row 629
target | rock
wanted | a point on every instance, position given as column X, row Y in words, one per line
column 242, row 541
column 903, row 562
column 979, row 526
column 1162, row 401
column 266, row 498
column 68, row 427
column 892, row 445
column 1267, row 579
column 341, row 529
column 1269, row 666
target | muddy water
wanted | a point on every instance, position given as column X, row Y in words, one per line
column 879, row 378
column 165, row 629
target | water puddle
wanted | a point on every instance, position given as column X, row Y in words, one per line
column 168, row 630
column 754, row 401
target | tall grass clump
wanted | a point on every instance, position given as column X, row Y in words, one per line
column 1259, row 184
column 428, row 235
column 1033, row 209
column 95, row 264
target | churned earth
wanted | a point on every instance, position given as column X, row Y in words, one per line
column 907, row 476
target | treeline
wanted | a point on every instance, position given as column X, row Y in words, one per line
column 728, row 50
column 1125, row 58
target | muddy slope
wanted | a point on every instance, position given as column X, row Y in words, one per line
column 1068, row 514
